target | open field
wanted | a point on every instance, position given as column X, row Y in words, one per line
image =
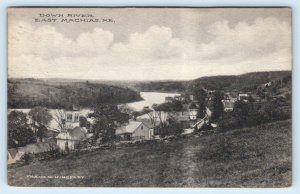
column 250, row 157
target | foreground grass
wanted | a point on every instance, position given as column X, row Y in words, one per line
column 251, row 157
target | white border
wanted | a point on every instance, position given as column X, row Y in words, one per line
column 4, row 188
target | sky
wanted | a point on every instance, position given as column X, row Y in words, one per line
column 147, row 43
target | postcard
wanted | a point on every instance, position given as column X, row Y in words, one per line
column 149, row 97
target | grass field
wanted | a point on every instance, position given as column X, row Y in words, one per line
column 251, row 157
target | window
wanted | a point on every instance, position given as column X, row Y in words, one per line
column 151, row 132
column 69, row 117
column 76, row 117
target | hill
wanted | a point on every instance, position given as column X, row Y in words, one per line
column 239, row 82
column 230, row 82
column 259, row 156
column 28, row 93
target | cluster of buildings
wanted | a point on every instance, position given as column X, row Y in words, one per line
column 141, row 128
column 56, row 137
column 72, row 133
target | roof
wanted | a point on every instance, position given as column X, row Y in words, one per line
column 130, row 128
column 147, row 122
column 77, row 133
column 38, row 147
column 53, row 112
column 13, row 152
column 228, row 104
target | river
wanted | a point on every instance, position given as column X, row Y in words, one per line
column 150, row 98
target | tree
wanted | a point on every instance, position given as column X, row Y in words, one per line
column 164, row 110
column 107, row 119
column 19, row 132
column 161, row 111
column 40, row 119
column 200, row 96
column 218, row 107
column 59, row 118
column 83, row 121
column 242, row 111
column 151, row 114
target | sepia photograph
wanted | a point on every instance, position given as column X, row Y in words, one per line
column 149, row 97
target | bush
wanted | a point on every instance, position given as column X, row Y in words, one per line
column 27, row 158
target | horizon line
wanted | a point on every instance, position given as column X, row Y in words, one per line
column 146, row 80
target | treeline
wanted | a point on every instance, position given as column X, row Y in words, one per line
column 162, row 86
column 239, row 82
column 25, row 93
column 247, row 114
column 231, row 82
column 273, row 103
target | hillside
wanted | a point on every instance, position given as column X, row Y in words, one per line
column 27, row 93
column 250, row 157
column 239, row 82
column 57, row 93
column 162, row 86
column 231, row 82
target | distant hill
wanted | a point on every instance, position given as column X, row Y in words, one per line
column 239, row 82
column 55, row 93
column 28, row 93
column 162, row 86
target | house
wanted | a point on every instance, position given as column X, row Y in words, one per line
column 135, row 130
column 72, row 118
column 39, row 147
column 69, row 138
column 193, row 113
column 243, row 97
column 228, row 105
column 169, row 99
column 192, row 97
column 208, row 112
column 15, row 154
column 210, row 92
column 268, row 84
column 71, row 121
column 179, row 98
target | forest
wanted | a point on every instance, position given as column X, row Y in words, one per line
column 242, row 82
column 28, row 93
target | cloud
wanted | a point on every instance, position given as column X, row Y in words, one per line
column 46, row 42
column 153, row 54
column 245, row 41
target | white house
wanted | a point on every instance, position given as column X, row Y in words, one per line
column 135, row 130
column 228, row 105
column 72, row 118
column 169, row 99
column 70, row 137
column 243, row 97
column 15, row 154
column 193, row 113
